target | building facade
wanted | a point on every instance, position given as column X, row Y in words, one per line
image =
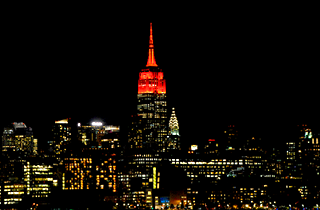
column 152, row 105
column 19, row 137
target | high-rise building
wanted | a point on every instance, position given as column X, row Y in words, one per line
column 12, row 185
column 61, row 133
column 39, row 178
column 174, row 135
column 152, row 105
column 139, row 173
column 211, row 147
column 18, row 137
column 96, row 134
column 77, row 174
column 231, row 140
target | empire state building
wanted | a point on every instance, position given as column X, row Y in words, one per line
column 150, row 129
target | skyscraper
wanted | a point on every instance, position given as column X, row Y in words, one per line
column 174, row 136
column 152, row 106
column 139, row 172
column 18, row 137
column 61, row 133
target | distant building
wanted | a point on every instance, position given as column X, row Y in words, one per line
column 18, row 137
column 12, row 185
column 39, row 179
column 211, row 147
column 174, row 135
column 61, row 134
column 98, row 135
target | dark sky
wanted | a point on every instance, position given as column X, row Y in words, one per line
column 258, row 70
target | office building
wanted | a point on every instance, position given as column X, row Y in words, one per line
column 152, row 104
column 18, row 137
column 61, row 135
column 39, row 179
column 12, row 185
column 96, row 134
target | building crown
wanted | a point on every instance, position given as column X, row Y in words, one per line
column 173, row 123
column 151, row 58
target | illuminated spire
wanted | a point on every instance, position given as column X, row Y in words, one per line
column 151, row 59
column 173, row 123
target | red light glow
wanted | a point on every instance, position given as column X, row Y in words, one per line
column 151, row 58
column 149, row 82
column 212, row 140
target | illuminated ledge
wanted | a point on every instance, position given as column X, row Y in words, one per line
column 267, row 175
column 64, row 121
column 291, row 177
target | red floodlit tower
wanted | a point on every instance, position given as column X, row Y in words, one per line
column 152, row 105
column 151, row 59
column 151, row 79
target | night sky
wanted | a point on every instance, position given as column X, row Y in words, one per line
column 258, row 71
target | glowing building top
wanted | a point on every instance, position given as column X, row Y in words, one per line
column 151, row 58
column 63, row 121
column 19, row 125
column 173, row 124
column 151, row 80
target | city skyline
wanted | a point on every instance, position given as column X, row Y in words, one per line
column 254, row 80
column 148, row 164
